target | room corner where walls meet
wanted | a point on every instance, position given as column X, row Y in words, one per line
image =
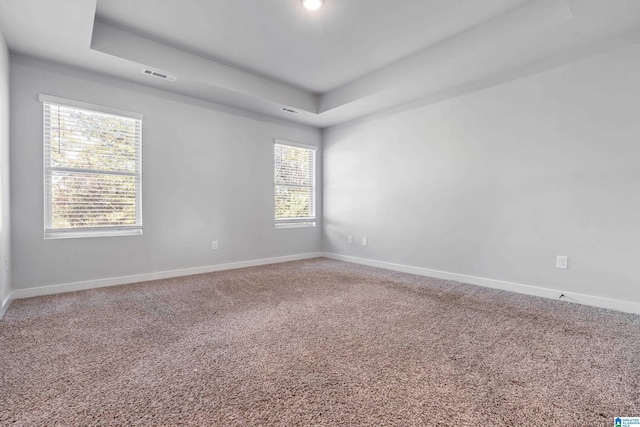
column 5, row 200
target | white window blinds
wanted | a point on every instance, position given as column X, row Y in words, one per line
column 92, row 170
column 295, row 185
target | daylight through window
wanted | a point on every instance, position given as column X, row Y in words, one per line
column 92, row 170
column 295, row 185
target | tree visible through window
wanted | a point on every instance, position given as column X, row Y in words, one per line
column 295, row 185
column 92, row 171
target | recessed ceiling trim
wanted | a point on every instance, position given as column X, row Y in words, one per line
column 149, row 53
column 481, row 47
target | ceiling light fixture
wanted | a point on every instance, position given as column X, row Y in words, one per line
column 312, row 4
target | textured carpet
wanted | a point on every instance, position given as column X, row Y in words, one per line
column 316, row 342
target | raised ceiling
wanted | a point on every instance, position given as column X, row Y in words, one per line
column 314, row 51
column 351, row 58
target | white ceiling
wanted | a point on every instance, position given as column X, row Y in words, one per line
column 351, row 58
column 315, row 51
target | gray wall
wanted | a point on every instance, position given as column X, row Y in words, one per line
column 207, row 175
column 5, row 232
column 496, row 183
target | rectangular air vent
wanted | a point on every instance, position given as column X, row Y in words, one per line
column 159, row 75
column 290, row 111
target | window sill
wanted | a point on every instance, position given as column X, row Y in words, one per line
column 76, row 234
column 296, row 225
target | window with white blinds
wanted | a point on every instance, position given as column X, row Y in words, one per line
column 92, row 170
column 295, row 184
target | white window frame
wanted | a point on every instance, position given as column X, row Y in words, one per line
column 307, row 222
column 49, row 231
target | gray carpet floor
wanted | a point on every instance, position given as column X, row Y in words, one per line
column 316, row 342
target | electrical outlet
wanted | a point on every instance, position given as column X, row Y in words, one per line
column 365, row 242
column 350, row 240
column 562, row 262
column 6, row 264
column 214, row 245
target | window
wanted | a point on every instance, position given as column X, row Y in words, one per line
column 295, row 184
column 92, row 170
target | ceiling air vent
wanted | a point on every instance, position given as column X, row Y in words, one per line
column 159, row 75
column 289, row 110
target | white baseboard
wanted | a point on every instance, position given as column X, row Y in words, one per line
column 625, row 306
column 124, row 280
column 5, row 305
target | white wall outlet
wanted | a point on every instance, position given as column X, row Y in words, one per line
column 562, row 262
column 350, row 240
column 365, row 242
column 214, row 245
column 6, row 264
